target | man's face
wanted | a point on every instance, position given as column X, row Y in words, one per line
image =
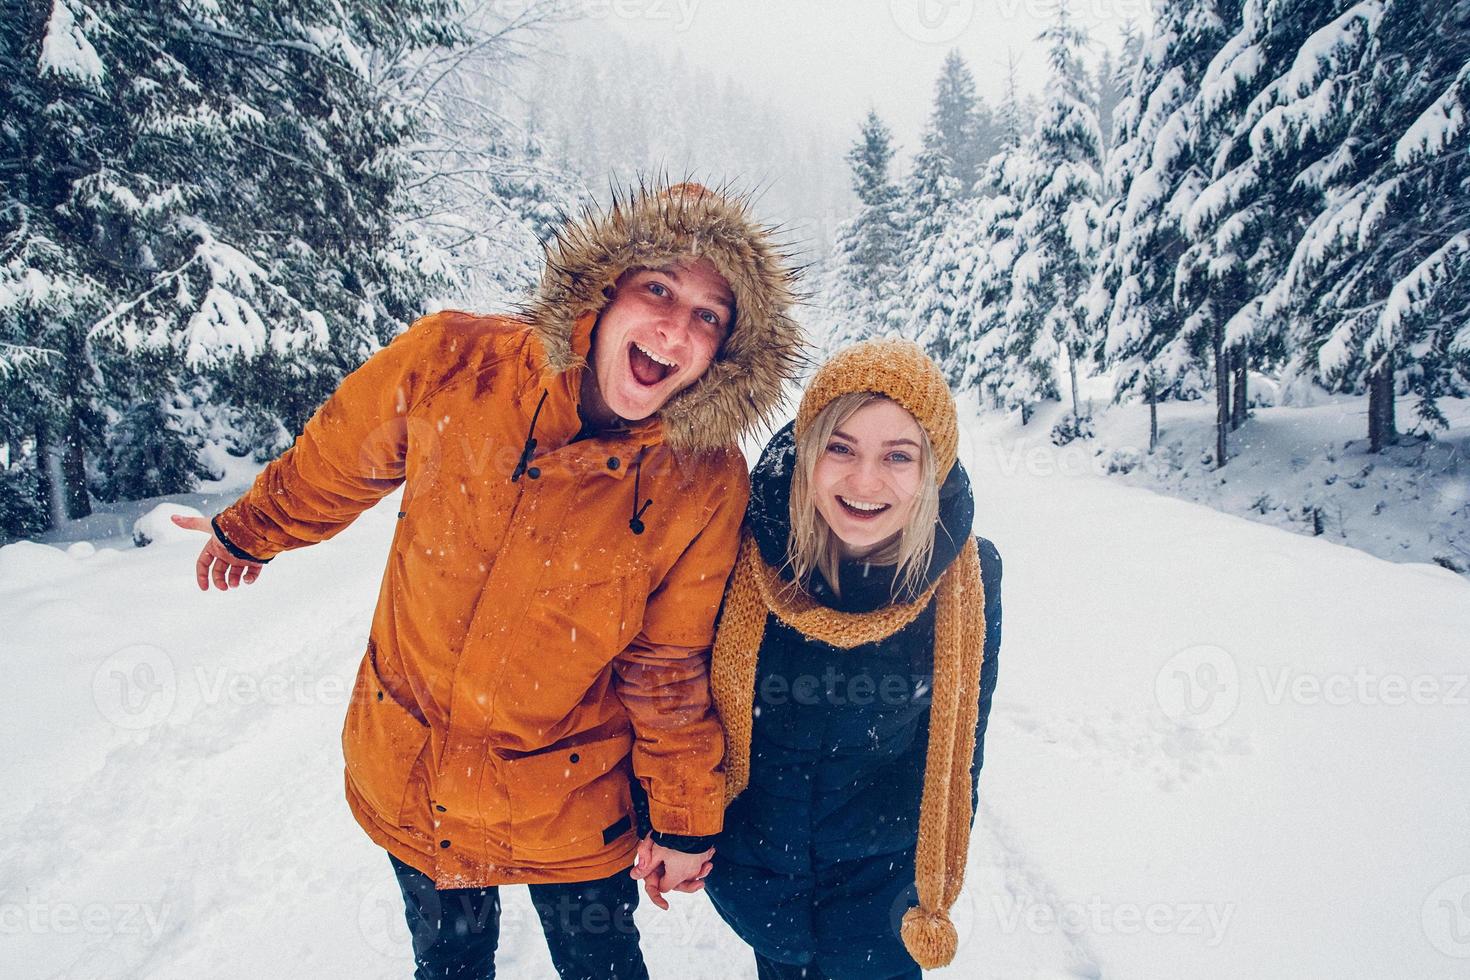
column 658, row 335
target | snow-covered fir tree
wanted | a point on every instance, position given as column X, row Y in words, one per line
column 1056, row 231
column 961, row 122
column 1113, row 75
column 1255, row 127
column 867, row 257
column 983, row 238
column 1378, row 285
column 198, row 193
column 924, row 307
column 1152, row 178
column 486, row 193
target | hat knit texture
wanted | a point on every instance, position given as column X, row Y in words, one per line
column 900, row 370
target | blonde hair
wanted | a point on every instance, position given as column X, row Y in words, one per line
column 812, row 545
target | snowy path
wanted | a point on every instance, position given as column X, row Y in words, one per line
column 1218, row 750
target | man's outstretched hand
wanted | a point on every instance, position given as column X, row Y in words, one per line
column 663, row 869
column 215, row 563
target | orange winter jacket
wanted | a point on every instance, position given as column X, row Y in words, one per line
column 531, row 651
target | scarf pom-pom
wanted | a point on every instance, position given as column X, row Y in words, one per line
column 930, row 937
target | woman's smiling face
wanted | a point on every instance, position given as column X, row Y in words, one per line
column 866, row 482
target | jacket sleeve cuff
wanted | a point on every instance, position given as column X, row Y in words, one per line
column 641, row 821
column 230, row 546
column 682, row 842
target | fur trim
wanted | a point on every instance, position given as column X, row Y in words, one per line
column 652, row 225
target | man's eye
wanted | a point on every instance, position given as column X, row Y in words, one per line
column 658, row 289
column 709, row 318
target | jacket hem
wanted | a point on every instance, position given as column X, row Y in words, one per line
column 423, row 861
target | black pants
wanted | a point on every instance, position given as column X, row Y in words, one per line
column 588, row 925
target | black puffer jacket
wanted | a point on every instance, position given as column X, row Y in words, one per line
column 816, row 860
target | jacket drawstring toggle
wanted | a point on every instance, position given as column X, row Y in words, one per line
column 530, row 448
column 636, row 524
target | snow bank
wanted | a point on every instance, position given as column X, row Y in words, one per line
column 25, row 564
column 156, row 525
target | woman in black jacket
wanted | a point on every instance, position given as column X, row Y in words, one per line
column 853, row 668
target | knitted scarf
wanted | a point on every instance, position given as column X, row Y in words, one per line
column 755, row 590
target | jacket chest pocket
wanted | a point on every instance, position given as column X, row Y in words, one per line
column 563, row 800
column 583, row 623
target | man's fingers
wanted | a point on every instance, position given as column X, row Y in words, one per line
column 201, row 570
column 217, row 573
column 192, row 523
column 697, row 882
column 233, row 576
column 654, row 895
column 643, row 860
column 252, row 572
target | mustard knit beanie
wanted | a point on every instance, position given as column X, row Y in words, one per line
column 900, row 370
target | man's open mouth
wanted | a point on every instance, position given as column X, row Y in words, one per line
column 861, row 509
column 648, row 368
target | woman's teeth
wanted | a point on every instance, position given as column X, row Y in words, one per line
column 862, row 506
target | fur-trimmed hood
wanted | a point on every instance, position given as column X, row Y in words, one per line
column 649, row 226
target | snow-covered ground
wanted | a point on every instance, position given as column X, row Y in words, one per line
column 1219, row 749
column 1305, row 468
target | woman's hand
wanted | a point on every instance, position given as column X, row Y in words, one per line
column 215, row 562
column 681, row 872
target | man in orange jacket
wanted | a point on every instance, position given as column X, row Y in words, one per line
column 535, row 687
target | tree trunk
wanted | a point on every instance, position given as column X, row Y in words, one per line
column 1241, row 360
column 1072, row 366
column 49, row 480
column 74, row 470
column 1222, row 396
column 1382, row 428
column 1153, row 414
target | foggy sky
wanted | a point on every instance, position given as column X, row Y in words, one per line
column 833, row 59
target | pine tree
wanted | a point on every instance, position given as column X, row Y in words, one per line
column 1153, row 175
column 1378, row 285
column 961, row 122
column 867, row 256
column 1057, row 229
column 926, row 307
column 1114, row 77
column 1105, row 84
column 1256, row 127
column 216, row 184
column 983, row 237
